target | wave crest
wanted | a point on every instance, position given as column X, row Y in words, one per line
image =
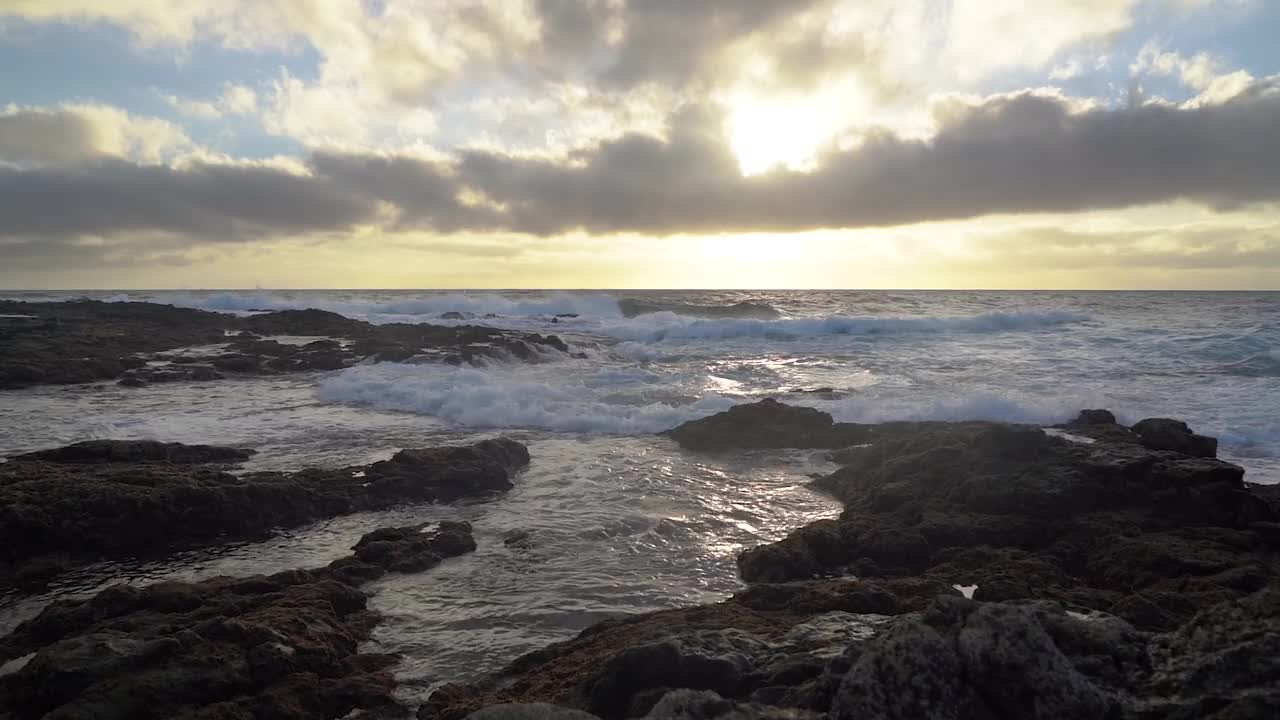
column 632, row 307
column 667, row 326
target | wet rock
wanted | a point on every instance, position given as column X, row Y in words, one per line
column 718, row 660
column 522, row 539
column 237, row 363
column 281, row 646
column 132, row 382
column 86, row 341
column 707, row 705
column 968, row 660
column 175, row 373
column 1222, row 664
column 1095, row 417
column 765, row 424
column 1175, row 435
column 530, row 711
column 111, row 498
column 136, row 451
column 414, row 548
column 1024, row 514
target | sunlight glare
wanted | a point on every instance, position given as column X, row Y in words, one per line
column 771, row 133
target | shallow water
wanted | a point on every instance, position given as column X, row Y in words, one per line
column 619, row 519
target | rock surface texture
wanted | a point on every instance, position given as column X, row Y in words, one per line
column 139, row 343
column 283, row 646
column 1121, row 573
column 102, row 498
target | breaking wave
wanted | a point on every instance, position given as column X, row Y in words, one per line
column 607, row 401
column 667, row 326
column 468, row 304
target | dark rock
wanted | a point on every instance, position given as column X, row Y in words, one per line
column 105, row 499
column 176, row 373
column 518, row 539
column 1166, row 434
column 136, row 451
column 1095, row 417
column 86, row 341
column 1022, row 514
column 530, row 711
column 283, row 646
column 718, row 660
column 765, row 424
column 132, row 382
column 237, row 363
column 969, row 660
column 707, row 705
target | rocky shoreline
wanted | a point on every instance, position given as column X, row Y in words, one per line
column 1111, row 572
column 121, row 498
column 282, row 646
column 1119, row 573
column 139, row 343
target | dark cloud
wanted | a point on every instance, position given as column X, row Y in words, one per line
column 38, row 137
column 671, row 41
column 206, row 201
column 1015, row 154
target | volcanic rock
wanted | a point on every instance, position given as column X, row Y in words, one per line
column 104, row 499
column 282, row 646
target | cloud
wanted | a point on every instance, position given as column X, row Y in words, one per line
column 385, row 71
column 234, row 100
column 73, row 133
column 1198, row 247
column 1018, row 153
column 208, row 202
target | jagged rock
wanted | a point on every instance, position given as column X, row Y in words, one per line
column 91, row 452
column 111, row 498
column 1223, row 664
column 1167, row 434
column 1095, row 417
column 530, row 711
column 85, row 341
column 716, row 660
column 707, row 705
column 766, row 424
column 1024, row 514
column 965, row 660
column 283, row 646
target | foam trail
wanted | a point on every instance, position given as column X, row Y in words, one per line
column 510, row 397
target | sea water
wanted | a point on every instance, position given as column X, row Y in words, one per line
column 617, row 518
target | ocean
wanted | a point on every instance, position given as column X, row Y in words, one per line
column 615, row 518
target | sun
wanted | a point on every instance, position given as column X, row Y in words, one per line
column 769, row 134
column 789, row 131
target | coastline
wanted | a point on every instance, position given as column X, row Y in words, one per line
column 1119, row 572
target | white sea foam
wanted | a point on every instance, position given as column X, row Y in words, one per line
column 475, row 304
column 979, row 404
column 516, row 397
column 582, row 397
column 661, row 327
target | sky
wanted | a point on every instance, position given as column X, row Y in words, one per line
column 640, row 143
